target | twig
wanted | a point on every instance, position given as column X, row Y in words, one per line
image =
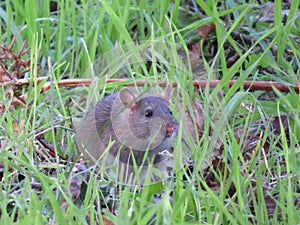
column 68, row 83
column 19, row 82
column 251, row 85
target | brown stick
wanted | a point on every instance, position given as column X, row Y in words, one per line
column 251, row 85
column 68, row 83
column 19, row 82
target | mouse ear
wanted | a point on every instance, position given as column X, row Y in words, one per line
column 168, row 93
column 127, row 98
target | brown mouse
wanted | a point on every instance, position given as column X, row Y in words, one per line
column 142, row 129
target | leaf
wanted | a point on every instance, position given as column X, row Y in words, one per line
column 205, row 30
column 77, row 178
column 193, row 118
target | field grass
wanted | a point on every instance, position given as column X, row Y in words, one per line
column 224, row 183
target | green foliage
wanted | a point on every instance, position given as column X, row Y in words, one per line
column 68, row 40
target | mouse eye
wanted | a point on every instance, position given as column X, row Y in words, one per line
column 148, row 113
column 170, row 111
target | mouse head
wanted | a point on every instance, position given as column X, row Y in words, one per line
column 129, row 99
column 146, row 120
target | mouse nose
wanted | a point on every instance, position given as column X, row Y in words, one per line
column 170, row 129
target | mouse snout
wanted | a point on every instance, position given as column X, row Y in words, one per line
column 170, row 129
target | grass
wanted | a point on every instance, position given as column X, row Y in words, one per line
column 70, row 43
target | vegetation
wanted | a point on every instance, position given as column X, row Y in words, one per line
column 244, row 155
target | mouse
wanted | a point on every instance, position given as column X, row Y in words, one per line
column 135, row 133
